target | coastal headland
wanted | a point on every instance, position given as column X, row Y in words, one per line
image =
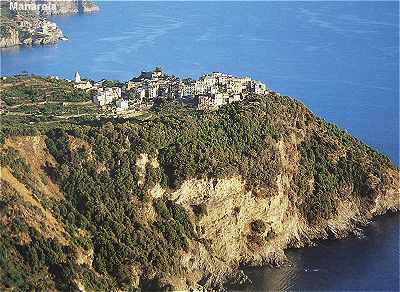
column 27, row 23
column 173, row 184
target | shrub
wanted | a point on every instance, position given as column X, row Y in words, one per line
column 200, row 210
column 258, row 226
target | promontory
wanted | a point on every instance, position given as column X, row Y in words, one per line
column 173, row 196
column 27, row 23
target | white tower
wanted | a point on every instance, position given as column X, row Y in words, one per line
column 77, row 77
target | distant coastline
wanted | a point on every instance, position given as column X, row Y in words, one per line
column 27, row 23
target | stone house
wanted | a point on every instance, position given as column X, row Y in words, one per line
column 107, row 95
column 122, row 105
column 82, row 84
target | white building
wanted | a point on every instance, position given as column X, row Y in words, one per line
column 142, row 93
column 102, row 98
column 77, row 77
column 259, row 87
column 153, row 90
column 82, row 84
column 210, row 90
column 107, row 96
column 122, row 104
column 234, row 98
column 188, row 89
column 220, row 99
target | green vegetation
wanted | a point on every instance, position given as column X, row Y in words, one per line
column 37, row 101
column 28, row 260
column 27, row 89
column 56, row 108
column 104, row 209
column 258, row 226
column 200, row 210
column 112, row 83
column 333, row 177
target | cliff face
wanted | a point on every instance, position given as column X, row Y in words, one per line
column 32, row 27
column 228, row 241
column 182, row 199
column 28, row 30
column 226, row 232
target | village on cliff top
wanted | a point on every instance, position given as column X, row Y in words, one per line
column 209, row 92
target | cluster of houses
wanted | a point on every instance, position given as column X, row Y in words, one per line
column 38, row 27
column 208, row 92
column 155, row 84
column 216, row 89
column 32, row 25
column 103, row 95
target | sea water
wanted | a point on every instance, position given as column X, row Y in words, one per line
column 339, row 58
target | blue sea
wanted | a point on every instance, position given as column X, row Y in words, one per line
column 341, row 59
column 370, row 263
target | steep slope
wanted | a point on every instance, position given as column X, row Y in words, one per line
column 182, row 199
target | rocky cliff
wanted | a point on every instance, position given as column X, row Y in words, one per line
column 30, row 30
column 31, row 27
column 182, row 199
